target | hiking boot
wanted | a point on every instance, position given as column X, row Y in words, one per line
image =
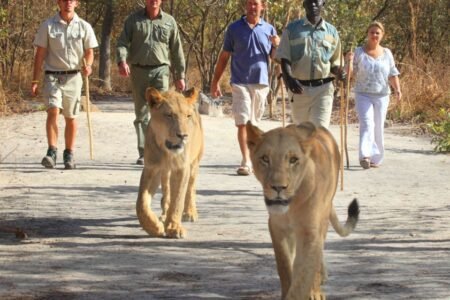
column 49, row 160
column 140, row 160
column 69, row 162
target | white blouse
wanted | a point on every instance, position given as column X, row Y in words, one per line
column 371, row 74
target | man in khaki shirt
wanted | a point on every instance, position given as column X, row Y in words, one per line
column 62, row 42
column 150, row 42
column 310, row 54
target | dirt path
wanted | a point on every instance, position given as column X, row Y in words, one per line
column 85, row 241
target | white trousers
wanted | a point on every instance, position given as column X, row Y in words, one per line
column 372, row 110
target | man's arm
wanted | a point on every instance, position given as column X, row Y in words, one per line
column 89, row 57
column 122, row 48
column 275, row 39
column 292, row 83
column 176, row 54
column 220, row 68
column 39, row 57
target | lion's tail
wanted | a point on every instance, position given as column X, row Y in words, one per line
column 352, row 219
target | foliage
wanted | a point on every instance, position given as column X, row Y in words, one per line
column 441, row 132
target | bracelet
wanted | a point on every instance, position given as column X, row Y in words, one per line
column 35, row 81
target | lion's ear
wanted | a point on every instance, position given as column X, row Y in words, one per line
column 254, row 135
column 153, row 97
column 306, row 130
column 191, row 95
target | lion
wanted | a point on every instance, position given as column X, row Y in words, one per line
column 298, row 168
column 172, row 152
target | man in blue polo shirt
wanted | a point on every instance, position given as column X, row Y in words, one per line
column 250, row 42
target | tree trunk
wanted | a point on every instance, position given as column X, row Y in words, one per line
column 105, row 47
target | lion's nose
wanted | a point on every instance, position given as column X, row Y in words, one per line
column 182, row 136
column 278, row 188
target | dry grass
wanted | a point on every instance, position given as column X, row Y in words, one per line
column 425, row 92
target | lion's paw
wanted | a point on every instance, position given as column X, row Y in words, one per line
column 190, row 216
column 317, row 295
column 175, row 231
column 157, row 230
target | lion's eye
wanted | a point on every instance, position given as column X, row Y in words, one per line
column 293, row 160
column 265, row 159
column 189, row 116
column 169, row 115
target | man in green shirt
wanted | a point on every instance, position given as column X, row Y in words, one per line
column 148, row 48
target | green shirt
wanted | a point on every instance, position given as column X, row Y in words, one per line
column 312, row 50
column 149, row 42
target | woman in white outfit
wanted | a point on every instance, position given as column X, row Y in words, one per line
column 374, row 71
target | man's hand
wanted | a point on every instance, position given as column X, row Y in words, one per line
column 340, row 73
column 124, row 69
column 275, row 40
column 293, row 84
column 34, row 89
column 180, row 85
column 215, row 90
column 87, row 70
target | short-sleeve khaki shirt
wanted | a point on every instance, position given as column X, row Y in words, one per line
column 312, row 50
column 65, row 43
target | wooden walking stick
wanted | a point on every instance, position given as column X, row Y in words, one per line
column 341, row 121
column 88, row 114
column 283, row 103
column 347, row 93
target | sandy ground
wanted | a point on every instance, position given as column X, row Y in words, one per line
column 85, row 241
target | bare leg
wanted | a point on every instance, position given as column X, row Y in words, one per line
column 70, row 133
column 242, row 139
column 52, row 126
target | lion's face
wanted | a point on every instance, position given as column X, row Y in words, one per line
column 172, row 116
column 280, row 161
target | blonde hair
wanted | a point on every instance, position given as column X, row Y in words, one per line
column 376, row 24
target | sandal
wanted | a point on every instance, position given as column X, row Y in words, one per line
column 244, row 170
column 365, row 163
column 373, row 165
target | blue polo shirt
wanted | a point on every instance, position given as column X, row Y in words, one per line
column 250, row 50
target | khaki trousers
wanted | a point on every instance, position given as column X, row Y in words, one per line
column 314, row 104
column 141, row 79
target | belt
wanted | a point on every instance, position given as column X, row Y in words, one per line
column 149, row 66
column 316, row 82
column 62, row 72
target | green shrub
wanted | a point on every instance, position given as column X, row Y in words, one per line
column 440, row 130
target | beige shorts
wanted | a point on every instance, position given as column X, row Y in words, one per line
column 249, row 102
column 63, row 92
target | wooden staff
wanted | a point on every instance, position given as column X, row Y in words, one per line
column 88, row 113
column 341, row 121
column 283, row 103
column 347, row 93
